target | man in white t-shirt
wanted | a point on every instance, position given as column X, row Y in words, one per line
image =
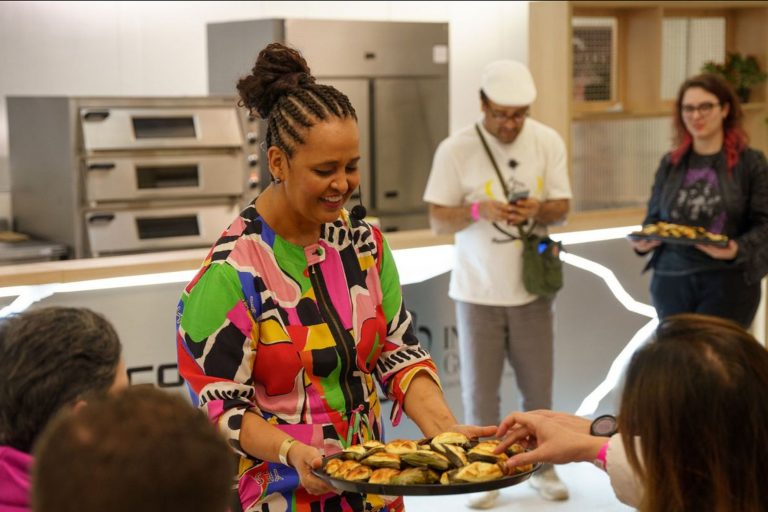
column 495, row 314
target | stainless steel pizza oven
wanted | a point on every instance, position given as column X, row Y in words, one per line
column 121, row 175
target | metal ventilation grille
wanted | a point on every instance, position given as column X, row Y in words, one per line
column 593, row 59
column 614, row 161
column 688, row 43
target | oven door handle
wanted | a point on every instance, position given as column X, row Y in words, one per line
column 96, row 115
column 101, row 218
column 101, row 166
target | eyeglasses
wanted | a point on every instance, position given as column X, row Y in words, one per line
column 703, row 109
column 517, row 116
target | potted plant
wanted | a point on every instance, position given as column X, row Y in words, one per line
column 743, row 72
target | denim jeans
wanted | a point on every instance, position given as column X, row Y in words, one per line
column 720, row 293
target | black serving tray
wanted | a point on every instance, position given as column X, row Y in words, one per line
column 420, row 489
column 677, row 240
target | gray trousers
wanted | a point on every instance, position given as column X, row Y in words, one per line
column 524, row 335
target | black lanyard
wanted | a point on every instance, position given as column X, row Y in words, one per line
column 523, row 233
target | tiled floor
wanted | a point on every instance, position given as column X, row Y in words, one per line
column 589, row 487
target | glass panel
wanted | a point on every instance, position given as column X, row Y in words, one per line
column 687, row 44
column 674, row 37
column 706, row 42
column 593, row 59
column 149, row 177
column 166, row 227
column 163, row 127
column 614, row 161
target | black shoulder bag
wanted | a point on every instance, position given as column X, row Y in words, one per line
column 542, row 267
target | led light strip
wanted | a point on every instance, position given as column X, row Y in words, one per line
column 590, row 404
column 593, row 235
column 613, row 283
column 592, row 401
column 28, row 295
column 414, row 266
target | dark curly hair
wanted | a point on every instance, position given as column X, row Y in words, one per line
column 49, row 358
column 282, row 91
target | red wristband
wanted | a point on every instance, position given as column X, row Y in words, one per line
column 475, row 211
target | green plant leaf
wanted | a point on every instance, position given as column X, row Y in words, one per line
column 743, row 72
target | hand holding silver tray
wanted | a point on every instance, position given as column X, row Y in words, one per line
column 679, row 234
column 427, row 467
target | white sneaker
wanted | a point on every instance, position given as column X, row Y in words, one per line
column 549, row 485
column 483, row 501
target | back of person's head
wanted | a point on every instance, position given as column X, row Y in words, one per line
column 282, row 91
column 697, row 397
column 50, row 358
column 141, row 449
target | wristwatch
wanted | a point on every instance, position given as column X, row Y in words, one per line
column 604, row 426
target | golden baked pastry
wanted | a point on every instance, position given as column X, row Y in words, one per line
column 382, row 460
column 355, row 452
column 401, row 446
column 383, row 476
column 332, row 466
column 416, row 476
column 483, row 452
column 426, row 458
column 670, row 230
column 441, row 459
column 359, row 473
column 479, row 472
column 345, row 468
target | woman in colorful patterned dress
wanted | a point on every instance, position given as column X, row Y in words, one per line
column 297, row 311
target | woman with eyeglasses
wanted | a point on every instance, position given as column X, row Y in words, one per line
column 713, row 180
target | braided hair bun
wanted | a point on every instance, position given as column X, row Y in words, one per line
column 281, row 90
column 278, row 71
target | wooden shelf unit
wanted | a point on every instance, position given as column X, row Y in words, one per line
column 639, row 54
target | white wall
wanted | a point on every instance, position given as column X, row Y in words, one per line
column 159, row 48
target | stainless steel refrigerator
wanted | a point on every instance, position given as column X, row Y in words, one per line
column 396, row 76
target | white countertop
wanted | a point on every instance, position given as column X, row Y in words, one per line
column 68, row 271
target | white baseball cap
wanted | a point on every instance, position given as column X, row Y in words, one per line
column 508, row 83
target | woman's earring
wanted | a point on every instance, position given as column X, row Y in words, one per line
column 276, row 180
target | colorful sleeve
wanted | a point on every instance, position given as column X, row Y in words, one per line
column 214, row 346
column 402, row 357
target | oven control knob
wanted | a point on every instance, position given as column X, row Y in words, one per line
column 253, row 160
column 252, row 137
